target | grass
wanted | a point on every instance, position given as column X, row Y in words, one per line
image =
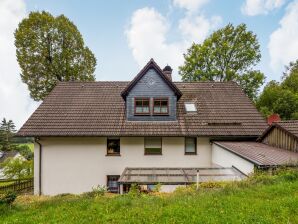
column 260, row 199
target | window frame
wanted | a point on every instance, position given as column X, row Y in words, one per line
column 190, row 153
column 135, row 105
column 118, row 186
column 152, row 154
column 113, row 154
column 190, row 111
column 161, row 99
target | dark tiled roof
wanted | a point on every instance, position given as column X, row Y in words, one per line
column 260, row 154
column 97, row 109
column 6, row 155
column 290, row 126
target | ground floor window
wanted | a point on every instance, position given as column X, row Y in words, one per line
column 153, row 146
column 112, row 184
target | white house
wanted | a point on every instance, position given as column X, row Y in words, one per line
column 147, row 131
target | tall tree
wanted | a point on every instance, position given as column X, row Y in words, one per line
column 228, row 54
column 7, row 131
column 51, row 49
column 281, row 98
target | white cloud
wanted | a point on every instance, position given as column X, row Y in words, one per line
column 190, row 5
column 147, row 37
column 15, row 103
column 257, row 7
column 283, row 44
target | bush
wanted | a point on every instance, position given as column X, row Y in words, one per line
column 8, row 198
column 212, row 184
column 157, row 188
column 99, row 190
column 134, row 190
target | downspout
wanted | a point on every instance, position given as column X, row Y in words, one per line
column 39, row 165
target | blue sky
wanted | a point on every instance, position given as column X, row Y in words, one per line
column 124, row 35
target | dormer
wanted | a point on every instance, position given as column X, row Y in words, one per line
column 151, row 95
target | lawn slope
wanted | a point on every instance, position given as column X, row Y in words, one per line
column 262, row 199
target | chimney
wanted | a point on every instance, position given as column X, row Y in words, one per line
column 273, row 118
column 167, row 71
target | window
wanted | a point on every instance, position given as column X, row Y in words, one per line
column 161, row 106
column 112, row 184
column 190, row 107
column 190, row 145
column 142, row 106
column 152, row 145
column 113, row 146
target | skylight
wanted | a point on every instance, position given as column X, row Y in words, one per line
column 190, row 107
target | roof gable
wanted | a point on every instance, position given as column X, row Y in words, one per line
column 151, row 65
column 290, row 127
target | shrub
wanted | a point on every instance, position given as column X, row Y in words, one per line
column 134, row 190
column 8, row 198
column 99, row 190
column 157, row 188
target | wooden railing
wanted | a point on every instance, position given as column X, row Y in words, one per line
column 19, row 185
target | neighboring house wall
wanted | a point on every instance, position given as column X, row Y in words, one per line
column 18, row 155
column 75, row 165
column 282, row 139
column 224, row 158
column 152, row 86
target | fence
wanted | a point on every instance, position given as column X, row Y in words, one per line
column 19, row 185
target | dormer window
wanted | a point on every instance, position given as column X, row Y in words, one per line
column 142, row 106
column 190, row 107
column 161, row 106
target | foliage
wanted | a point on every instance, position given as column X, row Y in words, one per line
column 51, row 49
column 25, row 151
column 7, row 131
column 157, row 188
column 134, row 190
column 229, row 54
column 260, row 199
column 99, row 190
column 8, row 198
column 281, row 98
column 17, row 168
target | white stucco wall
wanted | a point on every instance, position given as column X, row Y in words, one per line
column 224, row 158
column 75, row 165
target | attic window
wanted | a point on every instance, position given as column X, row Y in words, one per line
column 142, row 106
column 190, row 107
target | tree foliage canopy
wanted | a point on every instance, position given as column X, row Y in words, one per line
column 228, row 54
column 7, row 131
column 281, row 98
column 51, row 49
column 17, row 168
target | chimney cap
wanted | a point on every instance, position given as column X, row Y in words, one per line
column 167, row 69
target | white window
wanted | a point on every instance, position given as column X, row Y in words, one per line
column 190, row 107
column 153, row 146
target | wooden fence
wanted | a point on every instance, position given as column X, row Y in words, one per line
column 20, row 185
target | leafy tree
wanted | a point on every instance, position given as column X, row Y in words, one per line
column 25, row 151
column 281, row 98
column 228, row 54
column 7, row 131
column 17, row 168
column 51, row 49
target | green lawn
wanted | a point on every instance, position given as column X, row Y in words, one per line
column 257, row 200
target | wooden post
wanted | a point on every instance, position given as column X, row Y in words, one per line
column 121, row 188
column 198, row 179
